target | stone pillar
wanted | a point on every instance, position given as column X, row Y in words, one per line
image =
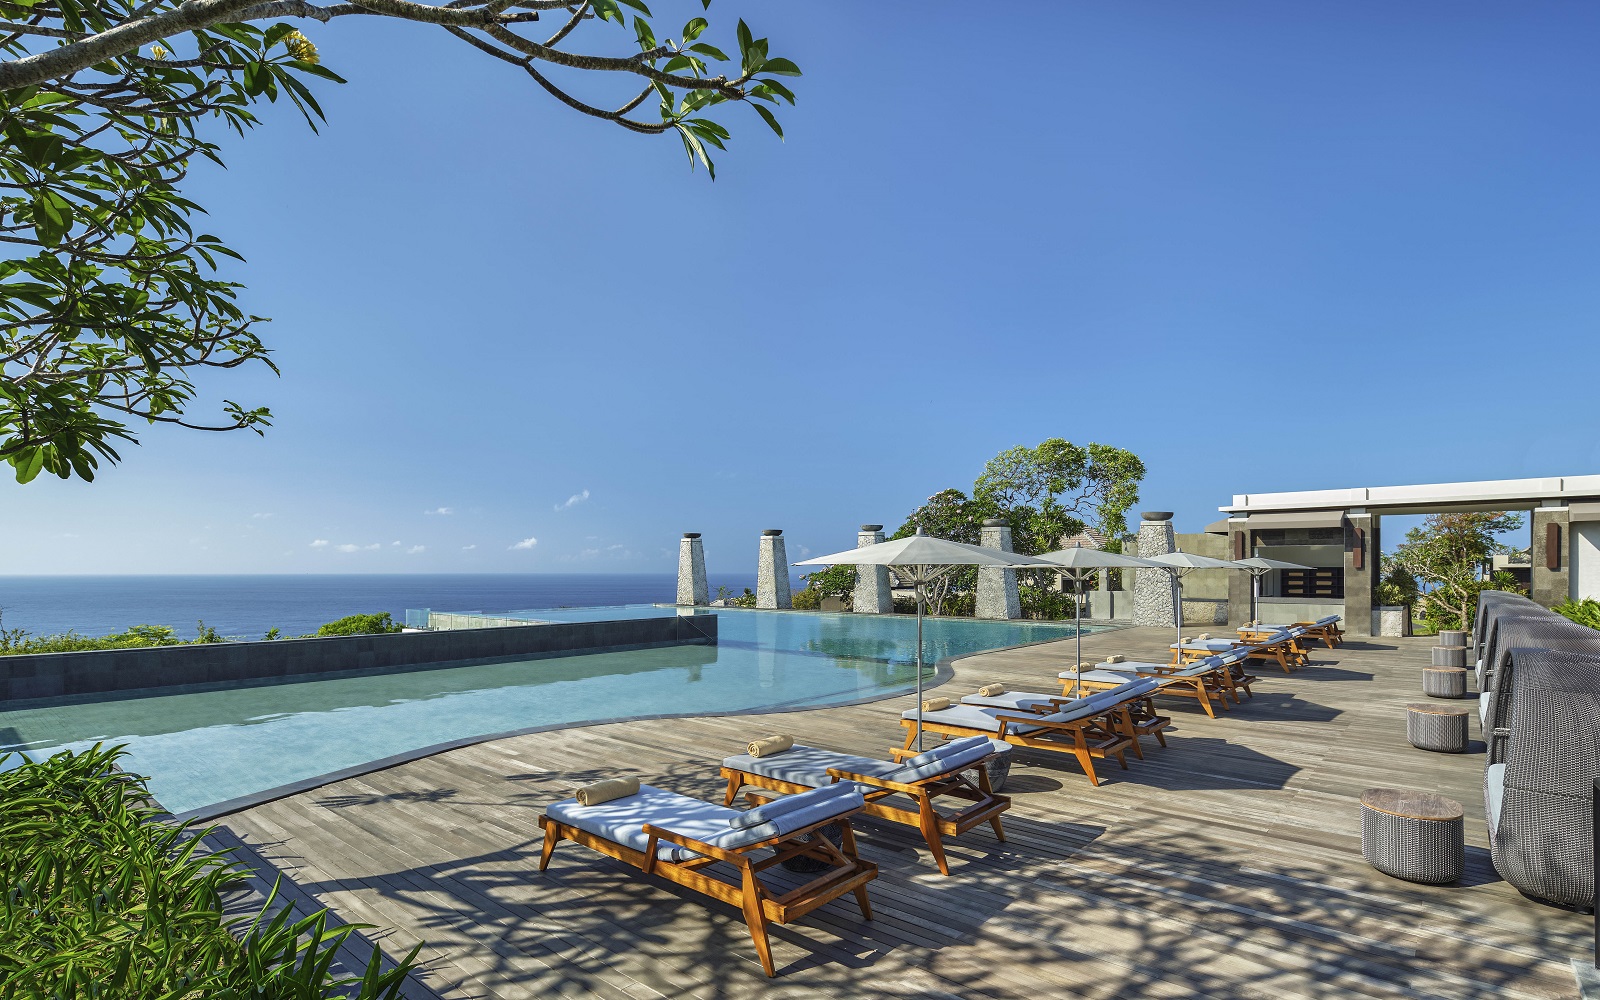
column 1152, row 588
column 692, row 587
column 772, row 571
column 997, row 588
column 871, row 595
column 1551, row 586
column 1360, row 570
column 1240, row 546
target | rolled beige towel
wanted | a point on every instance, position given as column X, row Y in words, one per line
column 935, row 704
column 770, row 745
column 605, row 791
column 1115, row 658
column 1202, row 637
column 990, row 690
column 1086, row 665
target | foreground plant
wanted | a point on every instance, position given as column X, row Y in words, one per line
column 102, row 899
column 110, row 299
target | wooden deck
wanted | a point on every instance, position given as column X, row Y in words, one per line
column 1226, row 865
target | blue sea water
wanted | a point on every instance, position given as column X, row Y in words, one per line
column 247, row 606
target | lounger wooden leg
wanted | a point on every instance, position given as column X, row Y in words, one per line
column 1121, row 760
column 735, row 782
column 1205, row 700
column 928, row 820
column 550, row 838
column 1080, row 749
column 1125, row 717
column 757, row 920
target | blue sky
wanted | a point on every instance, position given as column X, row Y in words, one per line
column 1265, row 246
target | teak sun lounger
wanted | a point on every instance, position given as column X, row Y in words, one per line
column 1078, row 731
column 923, row 779
column 1325, row 629
column 1139, row 719
column 671, row 835
column 1280, row 647
column 1210, row 681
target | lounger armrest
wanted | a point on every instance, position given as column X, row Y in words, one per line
column 839, row 774
column 699, row 846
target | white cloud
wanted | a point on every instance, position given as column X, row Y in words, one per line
column 468, row 548
column 526, row 543
column 320, row 543
column 588, row 553
column 573, row 500
column 395, row 542
column 374, row 545
column 261, row 515
column 415, row 549
column 441, row 511
column 347, row 547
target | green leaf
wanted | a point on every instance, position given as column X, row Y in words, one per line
column 692, row 30
column 743, row 35
column 707, row 49
column 769, row 118
column 780, row 66
column 646, row 36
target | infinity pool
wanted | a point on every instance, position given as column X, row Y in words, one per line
column 204, row 748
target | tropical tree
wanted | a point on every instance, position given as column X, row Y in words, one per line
column 1446, row 555
column 111, row 300
column 1045, row 494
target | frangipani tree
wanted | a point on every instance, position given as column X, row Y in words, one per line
column 111, row 303
column 1446, row 556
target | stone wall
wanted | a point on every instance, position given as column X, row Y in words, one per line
column 223, row 664
column 1152, row 588
column 1204, row 610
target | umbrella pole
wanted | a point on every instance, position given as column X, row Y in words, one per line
column 919, row 662
column 1255, row 595
column 1077, row 635
column 1177, row 605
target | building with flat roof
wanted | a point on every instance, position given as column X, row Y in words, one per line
column 1337, row 533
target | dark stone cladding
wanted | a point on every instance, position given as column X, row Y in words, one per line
column 151, row 670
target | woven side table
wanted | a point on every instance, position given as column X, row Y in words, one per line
column 1449, row 638
column 1444, row 682
column 1450, row 656
column 1437, row 727
column 998, row 764
column 1417, row 836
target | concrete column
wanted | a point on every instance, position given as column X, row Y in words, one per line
column 871, row 595
column 1551, row 586
column 772, row 571
column 1240, row 546
column 1360, row 570
column 692, row 587
column 1152, row 588
column 997, row 588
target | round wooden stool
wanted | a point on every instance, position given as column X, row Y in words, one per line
column 1437, row 727
column 1449, row 638
column 1449, row 656
column 1417, row 836
column 1444, row 682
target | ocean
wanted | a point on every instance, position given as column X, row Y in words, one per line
column 246, row 607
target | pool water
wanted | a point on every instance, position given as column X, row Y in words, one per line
column 206, row 747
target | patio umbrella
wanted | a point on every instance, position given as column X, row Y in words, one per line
column 1077, row 563
column 920, row 560
column 1178, row 565
column 1258, row 567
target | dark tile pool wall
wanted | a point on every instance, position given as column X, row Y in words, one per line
column 58, row 675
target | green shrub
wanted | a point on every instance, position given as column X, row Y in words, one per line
column 359, row 625
column 807, row 599
column 16, row 640
column 102, row 899
column 1584, row 612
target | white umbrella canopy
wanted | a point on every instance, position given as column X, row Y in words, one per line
column 1258, row 567
column 1179, row 563
column 1078, row 563
column 920, row 560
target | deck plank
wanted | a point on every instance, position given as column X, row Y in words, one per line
column 1227, row 864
